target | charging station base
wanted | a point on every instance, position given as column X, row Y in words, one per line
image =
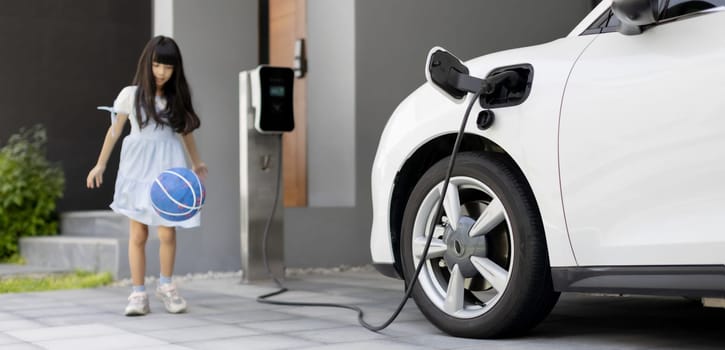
column 258, row 174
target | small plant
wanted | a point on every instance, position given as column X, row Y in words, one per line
column 29, row 189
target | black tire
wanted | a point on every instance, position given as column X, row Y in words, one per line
column 528, row 295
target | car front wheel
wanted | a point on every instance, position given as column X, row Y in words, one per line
column 487, row 272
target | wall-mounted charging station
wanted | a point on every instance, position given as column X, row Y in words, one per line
column 272, row 99
column 265, row 112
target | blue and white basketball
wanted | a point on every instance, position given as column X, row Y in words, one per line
column 177, row 194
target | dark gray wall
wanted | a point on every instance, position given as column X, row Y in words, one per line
column 59, row 60
column 391, row 40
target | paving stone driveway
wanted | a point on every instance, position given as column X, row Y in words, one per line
column 224, row 315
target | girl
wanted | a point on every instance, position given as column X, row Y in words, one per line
column 159, row 108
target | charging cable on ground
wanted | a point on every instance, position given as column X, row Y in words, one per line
column 409, row 289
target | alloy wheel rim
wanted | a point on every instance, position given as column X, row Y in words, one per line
column 468, row 265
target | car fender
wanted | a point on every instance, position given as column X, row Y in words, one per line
column 527, row 132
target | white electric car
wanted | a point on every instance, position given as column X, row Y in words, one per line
column 600, row 169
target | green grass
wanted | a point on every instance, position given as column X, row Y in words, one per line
column 74, row 280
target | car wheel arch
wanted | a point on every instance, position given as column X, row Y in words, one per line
column 415, row 166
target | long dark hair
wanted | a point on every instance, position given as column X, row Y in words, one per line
column 179, row 113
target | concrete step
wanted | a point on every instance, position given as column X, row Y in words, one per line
column 97, row 254
column 9, row 270
column 89, row 240
column 96, row 223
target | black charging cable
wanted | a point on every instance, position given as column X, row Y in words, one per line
column 484, row 88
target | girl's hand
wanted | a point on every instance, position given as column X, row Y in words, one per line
column 95, row 177
column 201, row 171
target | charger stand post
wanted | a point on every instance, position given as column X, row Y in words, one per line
column 258, row 162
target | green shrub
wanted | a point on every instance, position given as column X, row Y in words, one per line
column 29, row 189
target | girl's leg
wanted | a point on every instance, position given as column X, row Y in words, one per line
column 167, row 250
column 138, row 302
column 137, row 251
column 166, row 290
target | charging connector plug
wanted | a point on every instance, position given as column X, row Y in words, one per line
column 465, row 82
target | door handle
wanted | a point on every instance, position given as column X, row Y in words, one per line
column 300, row 61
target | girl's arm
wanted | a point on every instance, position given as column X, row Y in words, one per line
column 95, row 176
column 196, row 164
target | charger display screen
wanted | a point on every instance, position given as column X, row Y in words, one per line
column 276, row 91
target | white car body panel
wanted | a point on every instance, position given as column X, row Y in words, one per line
column 528, row 132
column 642, row 177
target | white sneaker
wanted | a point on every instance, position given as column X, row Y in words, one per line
column 138, row 304
column 173, row 302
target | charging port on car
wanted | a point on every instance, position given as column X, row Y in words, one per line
column 510, row 92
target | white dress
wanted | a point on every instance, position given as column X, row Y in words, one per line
column 145, row 153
